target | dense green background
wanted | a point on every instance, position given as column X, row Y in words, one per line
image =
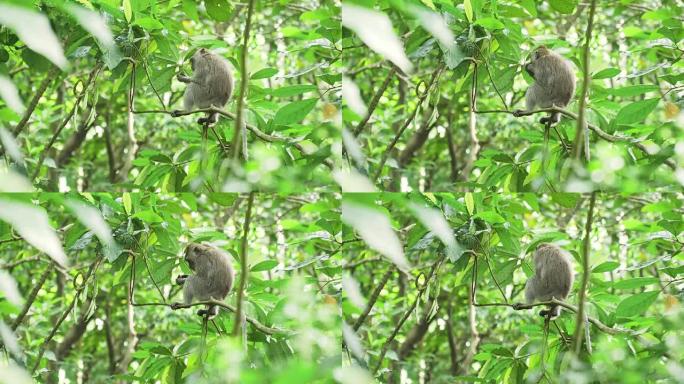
column 634, row 97
column 635, row 284
column 293, row 286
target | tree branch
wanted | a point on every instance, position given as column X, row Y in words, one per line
column 244, row 268
column 599, row 132
column 374, row 101
column 240, row 120
column 582, row 119
column 579, row 323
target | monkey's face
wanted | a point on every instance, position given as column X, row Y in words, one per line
column 195, row 59
column 193, row 252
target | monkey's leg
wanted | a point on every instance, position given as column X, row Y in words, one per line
column 211, row 118
column 210, row 311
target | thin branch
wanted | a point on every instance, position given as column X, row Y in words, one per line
column 31, row 298
column 599, row 132
column 374, row 101
column 257, row 325
column 49, row 78
column 582, row 118
column 47, row 340
column 419, row 294
column 408, row 121
column 66, row 120
column 244, row 268
column 256, row 131
column 373, row 298
column 579, row 323
column 602, row 327
column 239, row 121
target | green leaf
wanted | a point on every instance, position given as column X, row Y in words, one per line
column 264, row 73
column 264, row 266
column 606, row 73
column 605, row 267
column 636, row 112
column 470, row 203
column 218, row 10
column 149, row 23
column 293, row 90
column 491, row 217
column 490, row 23
column 149, row 216
column 563, row 6
column 468, row 10
column 128, row 12
column 636, row 304
column 635, row 282
column 294, row 112
column 128, row 205
column 632, row 90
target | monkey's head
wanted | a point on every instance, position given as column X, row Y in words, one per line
column 198, row 56
column 194, row 252
column 540, row 52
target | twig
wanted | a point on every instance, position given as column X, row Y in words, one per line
column 599, row 132
column 373, row 298
column 256, row 131
column 582, row 119
column 374, row 101
column 408, row 121
column 244, row 268
column 31, row 298
column 579, row 323
column 239, row 121
column 604, row 328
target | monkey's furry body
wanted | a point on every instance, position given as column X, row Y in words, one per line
column 211, row 83
column 213, row 277
column 553, row 277
column 554, row 82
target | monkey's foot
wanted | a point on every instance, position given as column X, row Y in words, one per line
column 176, row 113
column 175, row 306
column 518, row 112
column 518, row 306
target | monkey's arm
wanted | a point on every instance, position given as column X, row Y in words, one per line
column 186, row 80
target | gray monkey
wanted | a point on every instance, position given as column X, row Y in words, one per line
column 554, row 83
column 553, row 277
column 213, row 277
column 210, row 85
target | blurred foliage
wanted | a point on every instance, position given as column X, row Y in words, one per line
column 636, row 285
column 81, row 129
column 292, row 287
column 636, row 96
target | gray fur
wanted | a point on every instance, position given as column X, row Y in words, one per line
column 553, row 276
column 554, row 82
column 211, row 83
column 213, row 277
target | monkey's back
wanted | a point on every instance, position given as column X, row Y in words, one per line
column 214, row 277
column 213, row 83
column 554, row 83
column 557, row 274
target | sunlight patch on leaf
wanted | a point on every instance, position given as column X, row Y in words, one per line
column 435, row 24
column 375, row 30
column 34, row 29
column 8, row 287
column 10, row 94
column 376, row 230
column 352, row 96
column 352, row 181
column 32, row 224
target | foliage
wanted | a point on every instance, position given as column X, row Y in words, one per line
column 89, row 89
column 423, row 325
column 409, row 136
column 77, row 319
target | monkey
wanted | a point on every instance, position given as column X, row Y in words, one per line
column 213, row 277
column 210, row 85
column 554, row 84
column 553, row 278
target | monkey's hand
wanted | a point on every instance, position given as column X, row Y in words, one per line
column 180, row 280
column 184, row 79
column 176, row 305
column 518, row 306
column 177, row 113
column 518, row 112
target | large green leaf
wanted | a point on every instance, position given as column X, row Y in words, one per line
column 294, row 112
column 636, row 112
